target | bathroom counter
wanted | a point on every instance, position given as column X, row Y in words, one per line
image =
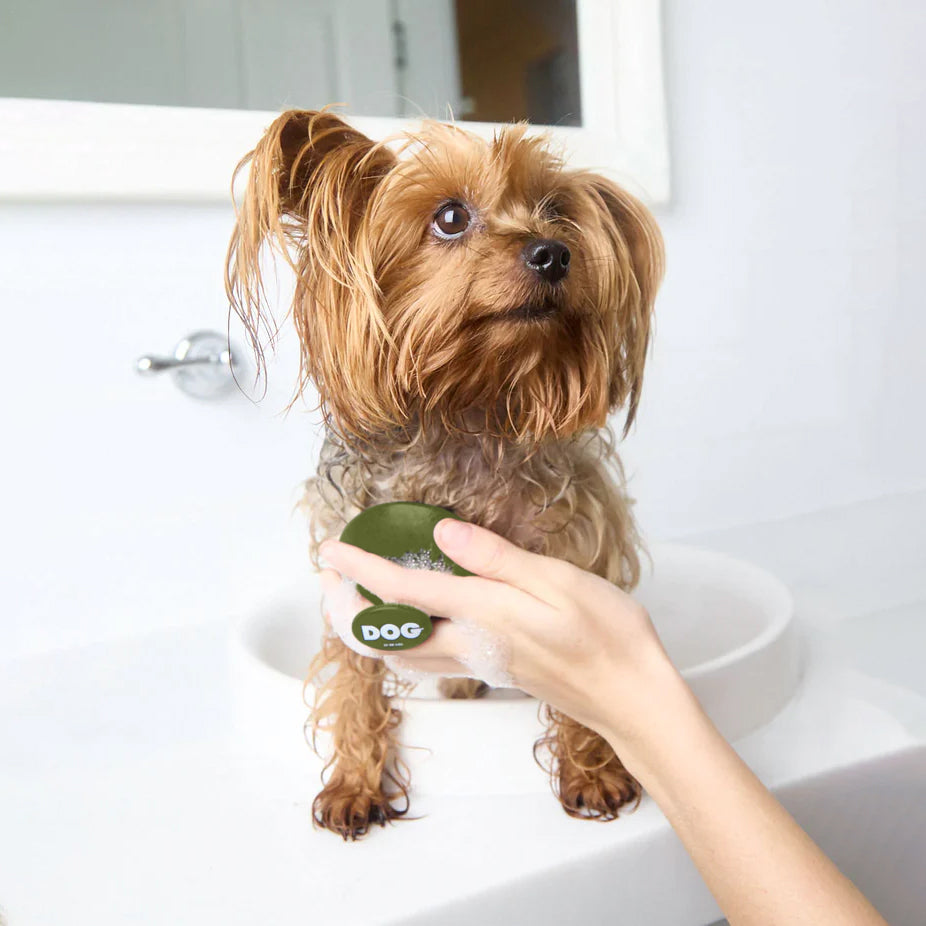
column 125, row 797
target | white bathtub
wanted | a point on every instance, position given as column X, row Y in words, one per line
column 728, row 625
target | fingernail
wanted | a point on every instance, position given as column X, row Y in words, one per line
column 453, row 534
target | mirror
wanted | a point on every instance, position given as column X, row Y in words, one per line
column 159, row 99
column 472, row 59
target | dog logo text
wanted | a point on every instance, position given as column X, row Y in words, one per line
column 409, row 630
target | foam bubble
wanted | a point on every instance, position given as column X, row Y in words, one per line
column 486, row 656
column 421, row 559
column 406, row 671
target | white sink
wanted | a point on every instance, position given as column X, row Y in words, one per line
column 727, row 625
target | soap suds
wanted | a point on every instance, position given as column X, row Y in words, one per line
column 421, row 559
column 486, row 656
column 406, row 671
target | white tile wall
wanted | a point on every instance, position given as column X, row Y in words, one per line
column 788, row 371
column 126, row 504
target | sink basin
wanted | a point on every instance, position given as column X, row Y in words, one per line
column 728, row 626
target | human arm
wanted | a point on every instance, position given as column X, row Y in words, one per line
column 581, row 644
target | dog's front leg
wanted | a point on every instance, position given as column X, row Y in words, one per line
column 598, row 536
column 588, row 777
column 364, row 782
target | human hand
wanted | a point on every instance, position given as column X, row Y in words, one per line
column 559, row 633
column 590, row 650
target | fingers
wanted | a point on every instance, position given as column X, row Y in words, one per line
column 487, row 554
column 437, row 655
column 454, row 648
column 510, row 586
column 433, row 592
column 342, row 602
column 443, row 648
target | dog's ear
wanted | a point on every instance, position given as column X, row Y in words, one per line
column 636, row 243
column 310, row 179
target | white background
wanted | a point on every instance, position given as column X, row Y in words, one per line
column 788, row 372
column 786, row 376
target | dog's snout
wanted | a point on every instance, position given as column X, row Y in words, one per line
column 547, row 257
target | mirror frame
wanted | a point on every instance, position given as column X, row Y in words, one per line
column 54, row 150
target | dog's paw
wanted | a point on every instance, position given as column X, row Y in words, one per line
column 597, row 794
column 351, row 814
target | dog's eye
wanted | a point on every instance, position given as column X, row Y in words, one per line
column 451, row 221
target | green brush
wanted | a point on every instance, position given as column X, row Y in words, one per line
column 404, row 533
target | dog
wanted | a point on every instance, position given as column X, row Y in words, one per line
column 470, row 313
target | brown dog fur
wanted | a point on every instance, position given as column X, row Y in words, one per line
column 450, row 373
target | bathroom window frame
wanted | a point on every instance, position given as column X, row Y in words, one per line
column 52, row 150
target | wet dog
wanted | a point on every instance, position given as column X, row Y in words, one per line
column 470, row 312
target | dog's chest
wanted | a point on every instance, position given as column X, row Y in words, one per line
column 558, row 498
column 504, row 492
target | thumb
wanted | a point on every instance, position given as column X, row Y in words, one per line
column 486, row 554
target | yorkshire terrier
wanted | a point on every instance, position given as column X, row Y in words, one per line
column 470, row 312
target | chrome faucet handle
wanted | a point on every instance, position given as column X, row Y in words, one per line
column 152, row 364
column 203, row 365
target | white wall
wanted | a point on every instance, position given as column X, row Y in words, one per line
column 788, row 371
column 125, row 504
column 786, row 374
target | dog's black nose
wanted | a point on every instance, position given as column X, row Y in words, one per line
column 548, row 257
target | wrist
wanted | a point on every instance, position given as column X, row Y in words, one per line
column 653, row 718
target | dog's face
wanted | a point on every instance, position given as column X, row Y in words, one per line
column 478, row 284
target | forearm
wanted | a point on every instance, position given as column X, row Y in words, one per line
column 761, row 867
column 582, row 645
